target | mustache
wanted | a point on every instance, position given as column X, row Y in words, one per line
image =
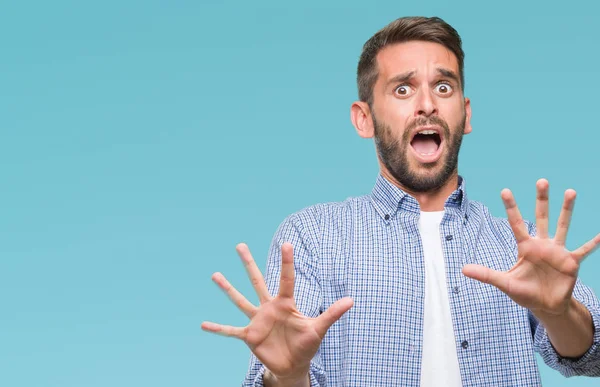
column 428, row 121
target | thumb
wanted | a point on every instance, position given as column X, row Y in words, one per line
column 487, row 275
column 332, row 314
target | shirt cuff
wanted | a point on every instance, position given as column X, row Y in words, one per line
column 587, row 364
column 316, row 374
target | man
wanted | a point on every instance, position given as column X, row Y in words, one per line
column 414, row 284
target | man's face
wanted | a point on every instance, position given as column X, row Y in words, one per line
column 419, row 114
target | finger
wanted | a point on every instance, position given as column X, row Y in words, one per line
column 332, row 314
column 238, row 299
column 256, row 277
column 514, row 216
column 541, row 208
column 224, row 330
column 564, row 219
column 286, row 282
column 486, row 275
column 589, row 247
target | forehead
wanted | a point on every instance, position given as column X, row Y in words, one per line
column 419, row 56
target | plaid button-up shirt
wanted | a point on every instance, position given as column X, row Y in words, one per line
column 369, row 248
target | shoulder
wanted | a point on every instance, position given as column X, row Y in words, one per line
column 323, row 214
column 324, row 224
column 500, row 226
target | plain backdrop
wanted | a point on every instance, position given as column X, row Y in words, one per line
column 142, row 140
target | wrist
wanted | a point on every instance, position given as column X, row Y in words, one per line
column 571, row 333
column 570, row 311
column 297, row 379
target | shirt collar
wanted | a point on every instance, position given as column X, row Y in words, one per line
column 388, row 199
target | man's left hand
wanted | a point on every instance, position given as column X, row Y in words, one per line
column 544, row 276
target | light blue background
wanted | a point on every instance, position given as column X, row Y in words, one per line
column 142, row 140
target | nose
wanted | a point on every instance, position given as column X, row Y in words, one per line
column 426, row 105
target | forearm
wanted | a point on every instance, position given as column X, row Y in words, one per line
column 271, row 381
column 571, row 334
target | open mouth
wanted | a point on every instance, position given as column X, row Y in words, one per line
column 426, row 143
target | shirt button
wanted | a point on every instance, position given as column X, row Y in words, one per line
column 465, row 344
column 455, row 289
column 449, row 237
column 387, row 217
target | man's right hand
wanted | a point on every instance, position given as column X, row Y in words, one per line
column 284, row 340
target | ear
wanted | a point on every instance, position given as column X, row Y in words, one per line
column 360, row 114
column 468, row 127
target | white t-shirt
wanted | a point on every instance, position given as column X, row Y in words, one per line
column 439, row 365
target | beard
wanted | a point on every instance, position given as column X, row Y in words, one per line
column 394, row 154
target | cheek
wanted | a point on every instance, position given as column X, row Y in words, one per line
column 397, row 120
column 452, row 112
column 400, row 111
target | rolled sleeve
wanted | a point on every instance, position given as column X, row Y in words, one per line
column 589, row 363
column 307, row 289
column 316, row 374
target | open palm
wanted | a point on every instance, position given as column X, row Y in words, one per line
column 544, row 276
column 281, row 337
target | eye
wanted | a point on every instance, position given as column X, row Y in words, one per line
column 403, row 91
column 444, row 88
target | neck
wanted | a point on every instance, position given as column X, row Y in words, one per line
column 433, row 200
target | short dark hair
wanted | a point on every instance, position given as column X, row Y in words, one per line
column 405, row 29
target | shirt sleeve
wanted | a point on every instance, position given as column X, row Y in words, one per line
column 307, row 288
column 589, row 363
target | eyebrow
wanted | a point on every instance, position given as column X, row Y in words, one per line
column 406, row 76
column 448, row 74
column 402, row 78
